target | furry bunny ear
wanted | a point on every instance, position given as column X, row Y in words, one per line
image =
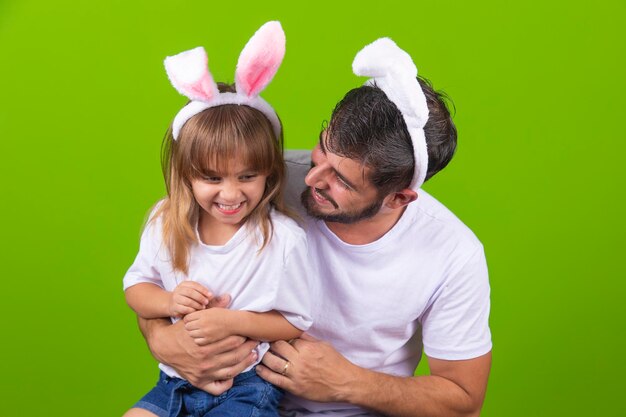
column 392, row 70
column 382, row 57
column 260, row 58
column 189, row 74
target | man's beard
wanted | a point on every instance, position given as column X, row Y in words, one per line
column 346, row 217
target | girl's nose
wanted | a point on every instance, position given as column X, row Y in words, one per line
column 230, row 192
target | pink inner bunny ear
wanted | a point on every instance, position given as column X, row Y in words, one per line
column 260, row 59
column 189, row 74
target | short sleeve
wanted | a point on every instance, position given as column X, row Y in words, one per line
column 144, row 268
column 456, row 324
column 293, row 298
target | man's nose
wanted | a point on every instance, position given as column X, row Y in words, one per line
column 316, row 177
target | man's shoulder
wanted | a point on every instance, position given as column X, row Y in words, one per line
column 298, row 163
column 431, row 213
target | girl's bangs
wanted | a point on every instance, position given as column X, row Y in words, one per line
column 215, row 147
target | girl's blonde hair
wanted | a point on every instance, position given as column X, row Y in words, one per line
column 209, row 141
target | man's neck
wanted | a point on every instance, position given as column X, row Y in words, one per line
column 368, row 230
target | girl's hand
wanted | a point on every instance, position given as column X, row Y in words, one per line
column 208, row 326
column 187, row 297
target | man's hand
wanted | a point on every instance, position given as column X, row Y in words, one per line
column 314, row 370
column 187, row 297
column 308, row 368
column 202, row 366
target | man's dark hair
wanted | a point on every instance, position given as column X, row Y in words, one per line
column 368, row 127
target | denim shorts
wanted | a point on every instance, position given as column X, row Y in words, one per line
column 250, row 396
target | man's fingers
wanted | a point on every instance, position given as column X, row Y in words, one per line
column 249, row 357
column 274, row 362
column 242, row 357
column 201, row 341
column 229, row 345
column 278, row 380
column 283, row 349
column 232, row 352
column 223, row 301
column 308, row 337
column 196, row 334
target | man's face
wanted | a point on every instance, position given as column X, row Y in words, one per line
column 338, row 188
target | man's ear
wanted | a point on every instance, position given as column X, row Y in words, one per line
column 400, row 198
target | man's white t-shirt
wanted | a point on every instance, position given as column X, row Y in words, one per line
column 424, row 284
column 273, row 279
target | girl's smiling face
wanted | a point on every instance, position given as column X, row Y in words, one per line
column 227, row 197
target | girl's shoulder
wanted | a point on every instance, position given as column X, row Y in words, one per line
column 285, row 226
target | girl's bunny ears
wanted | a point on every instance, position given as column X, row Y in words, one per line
column 258, row 62
column 393, row 71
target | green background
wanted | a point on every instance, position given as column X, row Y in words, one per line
column 539, row 89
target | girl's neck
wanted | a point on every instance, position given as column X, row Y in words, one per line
column 215, row 233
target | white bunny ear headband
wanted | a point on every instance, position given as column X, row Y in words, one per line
column 258, row 62
column 394, row 72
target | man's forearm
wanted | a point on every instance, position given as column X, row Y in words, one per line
column 150, row 330
column 314, row 370
column 422, row 396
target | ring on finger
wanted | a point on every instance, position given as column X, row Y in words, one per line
column 285, row 368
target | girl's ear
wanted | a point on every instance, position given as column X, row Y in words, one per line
column 189, row 74
column 260, row 59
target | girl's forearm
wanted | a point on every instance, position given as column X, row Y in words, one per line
column 149, row 301
column 267, row 327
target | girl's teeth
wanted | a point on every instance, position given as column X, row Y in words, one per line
column 225, row 207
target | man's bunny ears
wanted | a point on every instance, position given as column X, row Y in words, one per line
column 393, row 71
column 258, row 62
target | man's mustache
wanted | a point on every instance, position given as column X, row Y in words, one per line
column 327, row 197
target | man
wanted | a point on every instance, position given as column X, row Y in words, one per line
column 396, row 271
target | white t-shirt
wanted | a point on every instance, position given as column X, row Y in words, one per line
column 423, row 284
column 274, row 279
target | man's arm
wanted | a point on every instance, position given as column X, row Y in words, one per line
column 172, row 345
column 317, row 372
column 454, row 388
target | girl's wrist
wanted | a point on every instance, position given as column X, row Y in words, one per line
column 169, row 304
column 235, row 320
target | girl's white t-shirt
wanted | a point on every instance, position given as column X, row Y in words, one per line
column 277, row 278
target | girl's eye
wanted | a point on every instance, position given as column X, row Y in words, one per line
column 248, row 177
column 212, row 179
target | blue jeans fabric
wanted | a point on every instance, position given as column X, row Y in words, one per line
column 250, row 396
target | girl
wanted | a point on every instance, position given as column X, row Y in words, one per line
column 222, row 230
